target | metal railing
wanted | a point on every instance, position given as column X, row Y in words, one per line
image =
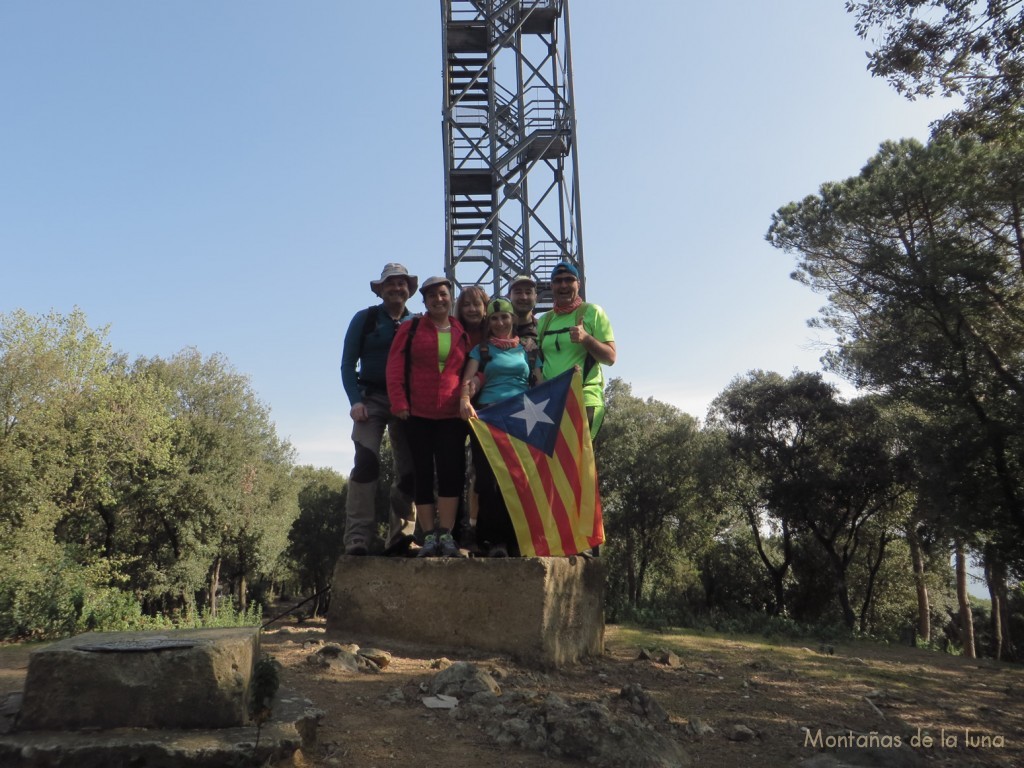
column 506, row 13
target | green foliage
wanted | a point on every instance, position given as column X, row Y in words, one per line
column 127, row 490
column 229, row 503
column 263, row 689
column 809, row 465
column 316, row 538
column 647, row 456
column 732, row 575
column 228, row 615
column 774, row 628
column 921, row 259
column 949, row 47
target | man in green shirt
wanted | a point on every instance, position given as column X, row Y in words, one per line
column 576, row 333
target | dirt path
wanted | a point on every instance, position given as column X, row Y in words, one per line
column 792, row 697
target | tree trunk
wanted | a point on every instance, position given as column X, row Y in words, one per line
column 924, row 618
column 995, row 579
column 1009, row 647
column 777, row 573
column 641, row 576
column 779, row 586
column 214, row 586
column 874, row 566
column 997, row 612
column 243, row 588
column 320, row 605
column 966, row 615
column 631, row 587
column 849, row 617
column 839, row 568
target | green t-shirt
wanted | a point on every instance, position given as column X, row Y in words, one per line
column 560, row 354
column 444, row 346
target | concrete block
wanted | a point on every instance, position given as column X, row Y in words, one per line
column 183, row 679
column 289, row 734
column 543, row 611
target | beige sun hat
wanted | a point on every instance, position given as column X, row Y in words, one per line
column 394, row 270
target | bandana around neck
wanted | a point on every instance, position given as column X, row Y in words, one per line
column 504, row 343
column 571, row 308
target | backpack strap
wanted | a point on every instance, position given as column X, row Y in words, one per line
column 545, row 322
column 408, row 358
column 369, row 325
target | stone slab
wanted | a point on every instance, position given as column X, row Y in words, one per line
column 542, row 611
column 196, row 678
column 285, row 740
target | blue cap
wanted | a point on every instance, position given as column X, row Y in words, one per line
column 565, row 266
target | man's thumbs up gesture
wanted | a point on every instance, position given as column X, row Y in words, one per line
column 576, row 334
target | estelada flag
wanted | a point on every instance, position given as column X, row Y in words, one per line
column 538, row 445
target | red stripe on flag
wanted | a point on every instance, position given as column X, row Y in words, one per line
column 575, row 410
column 522, row 485
column 560, row 514
column 572, row 455
column 577, row 413
column 570, row 461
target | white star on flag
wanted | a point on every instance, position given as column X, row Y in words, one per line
column 533, row 414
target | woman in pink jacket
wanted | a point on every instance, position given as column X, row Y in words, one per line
column 423, row 376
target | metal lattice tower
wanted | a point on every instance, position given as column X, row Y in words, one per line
column 511, row 180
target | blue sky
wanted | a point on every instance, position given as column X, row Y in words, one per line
column 230, row 175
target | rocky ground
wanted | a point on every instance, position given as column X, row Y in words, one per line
column 670, row 699
column 657, row 700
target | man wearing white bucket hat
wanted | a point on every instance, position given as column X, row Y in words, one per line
column 363, row 364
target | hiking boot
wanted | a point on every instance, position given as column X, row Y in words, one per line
column 400, row 546
column 498, row 550
column 431, row 546
column 448, row 546
column 468, row 540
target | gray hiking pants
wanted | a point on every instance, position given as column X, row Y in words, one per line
column 360, row 523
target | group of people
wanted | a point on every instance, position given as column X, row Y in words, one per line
column 423, row 376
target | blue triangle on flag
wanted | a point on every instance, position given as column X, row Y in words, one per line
column 535, row 417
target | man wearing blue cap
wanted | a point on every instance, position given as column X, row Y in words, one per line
column 576, row 332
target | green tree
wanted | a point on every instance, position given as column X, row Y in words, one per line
column 118, row 442
column 732, row 575
column 921, row 259
column 225, row 506
column 316, row 538
column 55, row 372
column 646, row 455
column 950, row 47
column 736, row 488
column 822, row 467
column 121, row 483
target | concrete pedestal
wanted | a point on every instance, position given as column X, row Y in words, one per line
column 542, row 611
column 175, row 679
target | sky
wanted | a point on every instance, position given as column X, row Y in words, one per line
column 230, row 175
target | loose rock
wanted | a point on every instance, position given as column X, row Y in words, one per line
column 741, row 733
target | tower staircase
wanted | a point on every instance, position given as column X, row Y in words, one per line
column 508, row 123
